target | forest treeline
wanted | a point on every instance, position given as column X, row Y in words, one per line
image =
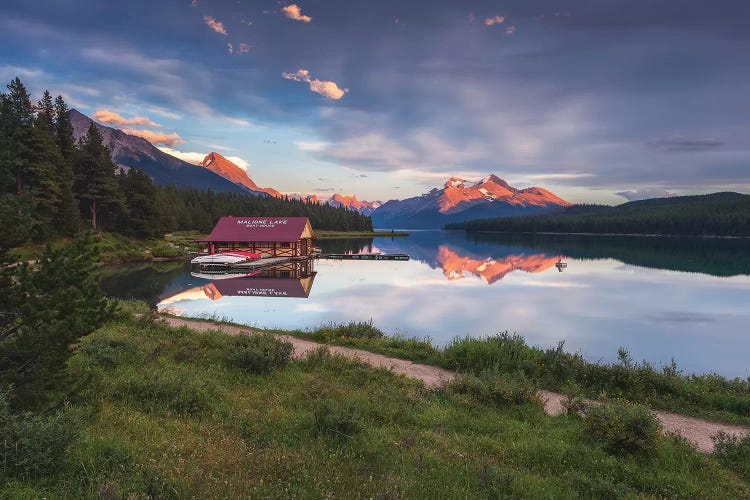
column 52, row 185
column 718, row 214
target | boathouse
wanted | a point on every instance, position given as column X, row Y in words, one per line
column 268, row 236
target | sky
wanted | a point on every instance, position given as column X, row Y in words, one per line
column 387, row 99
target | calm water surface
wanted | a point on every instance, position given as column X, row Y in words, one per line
column 659, row 298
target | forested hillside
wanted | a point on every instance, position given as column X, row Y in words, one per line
column 53, row 186
column 718, row 214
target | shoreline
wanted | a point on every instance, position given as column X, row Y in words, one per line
column 629, row 235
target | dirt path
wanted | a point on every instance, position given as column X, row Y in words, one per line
column 696, row 431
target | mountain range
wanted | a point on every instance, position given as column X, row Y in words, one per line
column 129, row 151
column 460, row 200
column 352, row 203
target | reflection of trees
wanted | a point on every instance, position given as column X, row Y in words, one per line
column 717, row 257
column 146, row 282
column 345, row 245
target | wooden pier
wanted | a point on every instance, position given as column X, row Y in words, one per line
column 365, row 256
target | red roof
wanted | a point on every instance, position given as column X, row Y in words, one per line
column 258, row 229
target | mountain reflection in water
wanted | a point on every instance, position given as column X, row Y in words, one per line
column 658, row 297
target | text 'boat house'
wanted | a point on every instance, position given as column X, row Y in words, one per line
column 268, row 236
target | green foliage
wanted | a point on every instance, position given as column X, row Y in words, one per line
column 259, row 354
column 59, row 301
column 339, row 419
column 734, row 452
column 33, row 446
column 495, row 388
column 718, row 214
column 161, row 391
column 622, row 428
column 555, row 369
column 353, row 330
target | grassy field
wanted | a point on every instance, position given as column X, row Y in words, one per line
column 163, row 412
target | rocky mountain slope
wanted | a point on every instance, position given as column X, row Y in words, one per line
column 129, row 151
column 460, row 200
column 352, row 203
column 218, row 164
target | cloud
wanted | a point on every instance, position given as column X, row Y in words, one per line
column 491, row 21
column 294, row 11
column 646, row 194
column 215, row 25
column 682, row 145
column 559, row 176
column 196, row 158
column 156, row 137
column 311, row 146
column 325, row 88
column 113, row 118
column 510, row 30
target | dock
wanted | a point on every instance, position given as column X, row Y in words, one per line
column 365, row 256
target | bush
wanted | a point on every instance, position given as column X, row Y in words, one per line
column 351, row 330
column 622, row 428
column 337, row 419
column 34, row 446
column 496, row 388
column 734, row 452
column 258, row 353
column 503, row 353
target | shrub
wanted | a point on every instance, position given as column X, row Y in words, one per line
column 503, row 353
column 351, row 330
column 258, row 353
column 34, row 446
column 496, row 388
column 107, row 352
column 336, row 418
column 622, row 428
column 734, row 452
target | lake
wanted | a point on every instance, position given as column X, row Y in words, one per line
column 660, row 298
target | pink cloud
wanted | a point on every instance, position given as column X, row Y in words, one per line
column 107, row 116
column 491, row 21
column 510, row 30
column 156, row 137
column 326, row 88
column 215, row 25
column 294, row 11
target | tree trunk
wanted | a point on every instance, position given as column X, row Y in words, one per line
column 19, row 185
column 93, row 214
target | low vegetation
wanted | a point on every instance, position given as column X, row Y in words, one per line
column 162, row 412
column 710, row 395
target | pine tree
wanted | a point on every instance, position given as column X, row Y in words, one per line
column 96, row 184
column 68, row 218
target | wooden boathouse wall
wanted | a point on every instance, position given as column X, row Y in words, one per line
column 267, row 236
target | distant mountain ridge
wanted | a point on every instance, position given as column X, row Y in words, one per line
column 460, row 200
column 717, row 214
column 129, row 151
column 222, row 166
column 352, row 203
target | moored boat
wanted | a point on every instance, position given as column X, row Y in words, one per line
column 225, row 258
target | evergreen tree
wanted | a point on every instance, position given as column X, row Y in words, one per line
column 96, row 184
column 68, row 219
column 21, row 119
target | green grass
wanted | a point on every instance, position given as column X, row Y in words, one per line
column 709, row 396
column 168, row 416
